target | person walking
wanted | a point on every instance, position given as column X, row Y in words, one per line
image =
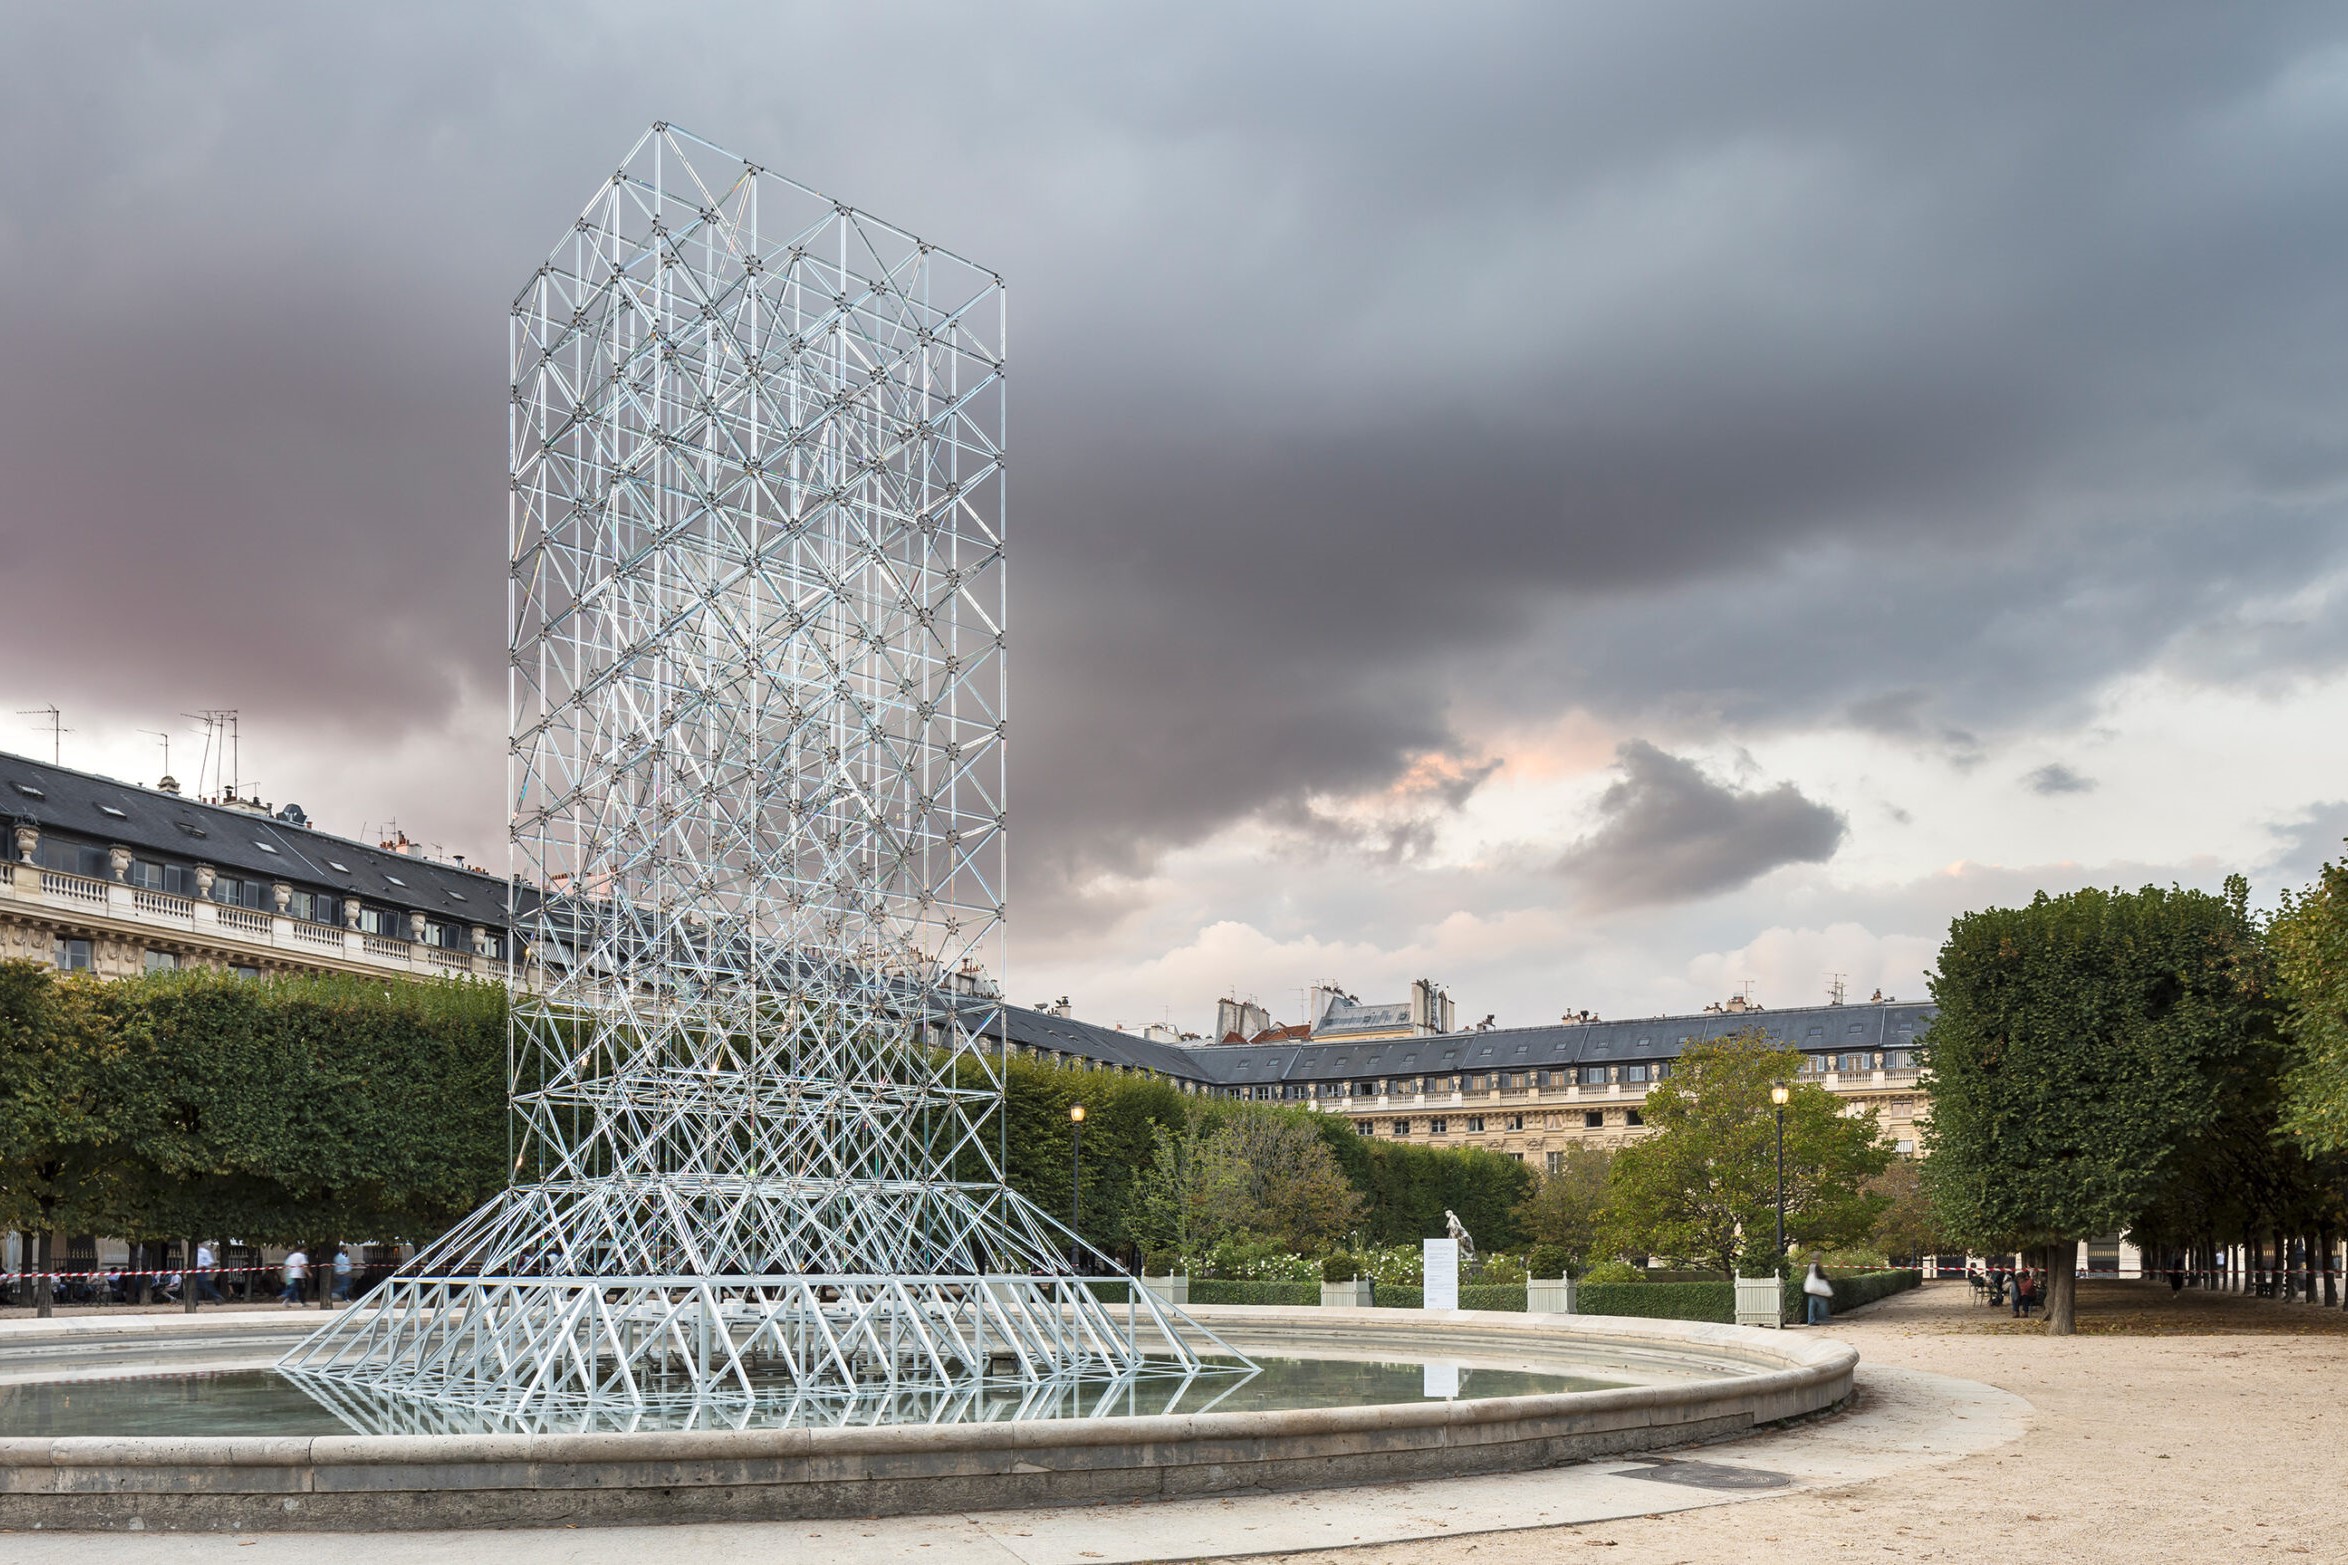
column 201, row 1281
column 2025, row 1295
column 342, row 1273
column 297, row 1272
column 1816, row 1290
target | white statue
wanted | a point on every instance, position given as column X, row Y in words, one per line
column 1454, row 1228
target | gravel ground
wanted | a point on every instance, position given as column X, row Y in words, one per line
column 2187, row 1428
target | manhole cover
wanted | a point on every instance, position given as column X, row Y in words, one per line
column 1710, row 1475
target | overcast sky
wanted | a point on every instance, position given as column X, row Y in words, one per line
column 1594, row 505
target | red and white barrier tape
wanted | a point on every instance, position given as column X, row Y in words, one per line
column 116, row 1273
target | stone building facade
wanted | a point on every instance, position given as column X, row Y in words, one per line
column 116, row 879
column 1528, row 1092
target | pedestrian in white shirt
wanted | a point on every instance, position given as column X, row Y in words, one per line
column 1816, row 1290
column 202, row 1282
column 297, row 1271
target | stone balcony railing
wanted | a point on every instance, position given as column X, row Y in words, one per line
column 1579, row 1094
column 232, row 931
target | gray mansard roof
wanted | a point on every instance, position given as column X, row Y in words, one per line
column 169, row 826
column 1816, row 1030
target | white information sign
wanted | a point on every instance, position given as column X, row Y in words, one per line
column 1442, row 1261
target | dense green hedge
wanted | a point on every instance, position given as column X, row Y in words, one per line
column 1472, row 1296
column 1852, row 1289
column 288, row 1111
column 1216, row 1290
column 1704, row 1301
column 1408, row 1188
column 1712, row 1301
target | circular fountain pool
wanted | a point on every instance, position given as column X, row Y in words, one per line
column 261, row 1402
column 152, row 1423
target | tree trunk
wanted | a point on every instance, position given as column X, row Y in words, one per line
column 2062, row 1283
column 45, row 1286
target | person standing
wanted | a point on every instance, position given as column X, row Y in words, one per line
column 1816, row 1290
column 342, row 1273
column 201, row 1281
column 297, row 1271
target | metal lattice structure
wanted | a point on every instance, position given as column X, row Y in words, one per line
column 757, row 700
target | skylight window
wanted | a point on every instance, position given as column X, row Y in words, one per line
column 191, row 828
column 339, row 869
column 263, row 846
column 108, row 809
column 395, row 880
column 29, row 791
column 456, row 896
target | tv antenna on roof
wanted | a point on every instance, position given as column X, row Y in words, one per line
column 57, row 729
column 220, row 753
column 1834, row 988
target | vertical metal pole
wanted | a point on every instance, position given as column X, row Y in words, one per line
column 1076, row 1201
column 1781, row 1187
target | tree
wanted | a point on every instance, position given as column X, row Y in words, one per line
column 1266, row 1174
column 1908, row 1228
column 2086, row 1047
column 1702, row 1188
column 70, row 1120
column 1038, row 1148
column 293, row 1110
column 1568, row 1207
column 1262, row 1175
column 2310, row 941
column 1163, row 1209
column 1410, row 1187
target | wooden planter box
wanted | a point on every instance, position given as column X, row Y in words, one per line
column 1551, row 1296
column 1760, row 1301
column 1173, row 1290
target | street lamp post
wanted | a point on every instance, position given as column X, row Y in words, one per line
column 1076, row 1188
column 1779, row 1092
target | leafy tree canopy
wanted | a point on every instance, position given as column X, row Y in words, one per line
column 2310, row 940
column 2084, row 1047
column 1701, row 1188
column 1567, row 1208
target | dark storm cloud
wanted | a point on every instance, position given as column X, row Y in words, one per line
column 2056, row 778
column 1376, row 371
column 2317, row 838
column 1668, row 833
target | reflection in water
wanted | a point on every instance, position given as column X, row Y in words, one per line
column 263, row 1402
column 1170, row 1389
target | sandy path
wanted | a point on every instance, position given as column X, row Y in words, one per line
column 2169, row 1430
